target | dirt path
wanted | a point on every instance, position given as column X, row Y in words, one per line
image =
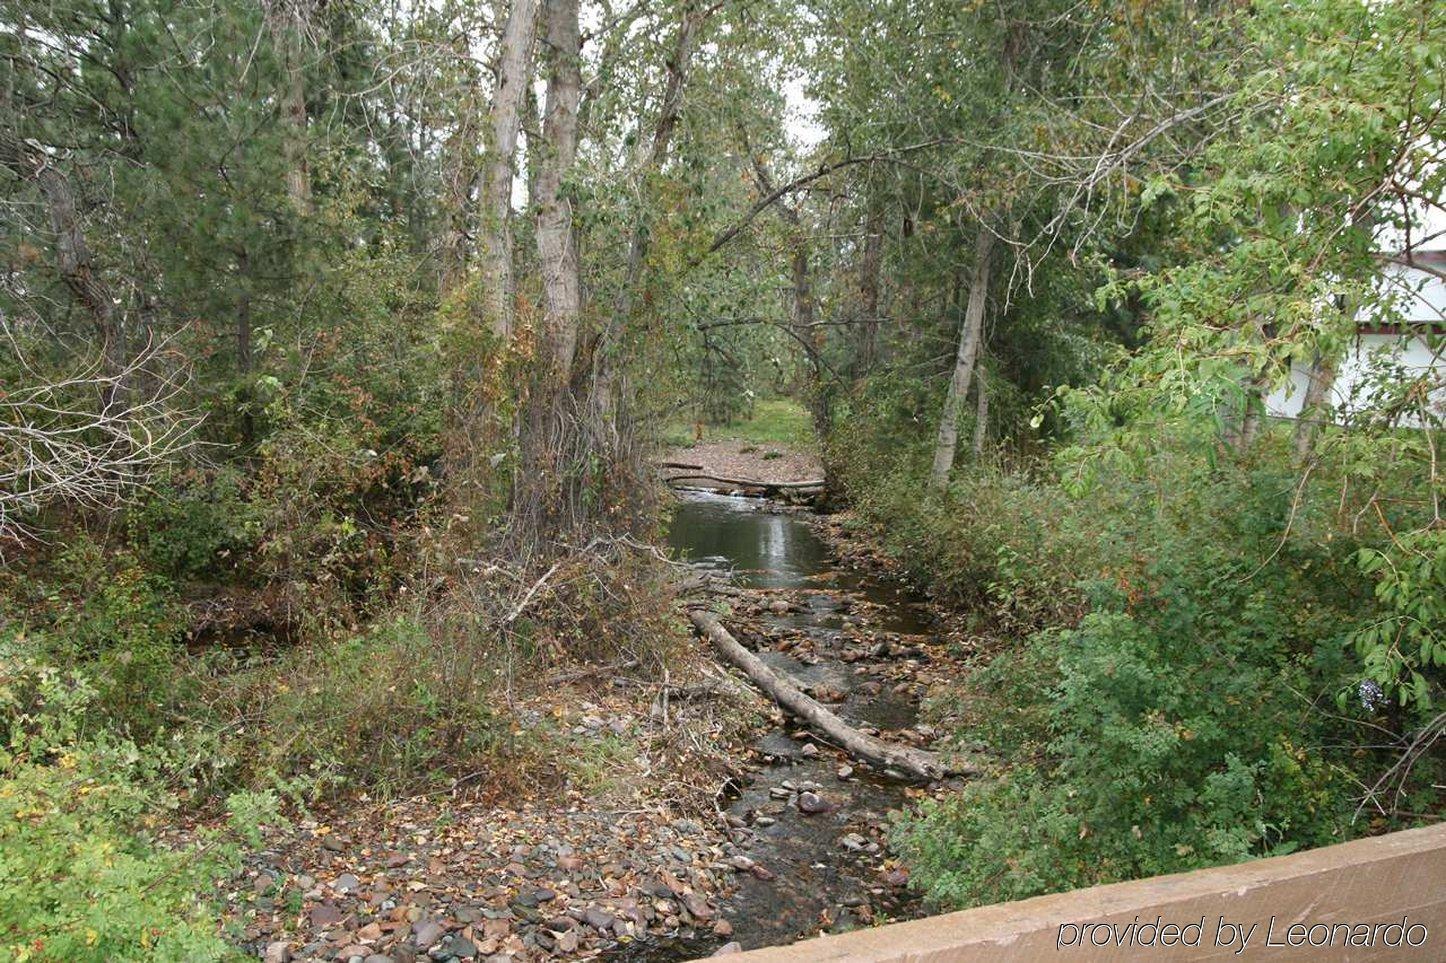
column 767, row 463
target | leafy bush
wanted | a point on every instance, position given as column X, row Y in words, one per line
column 1190, row 618
column 388, row 709
column 1177, row 724
column 195, row 525
column 83, row 876
column 106, row 613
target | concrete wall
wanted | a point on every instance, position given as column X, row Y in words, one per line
column 1366, row 886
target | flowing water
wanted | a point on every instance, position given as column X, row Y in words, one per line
column 820, row 876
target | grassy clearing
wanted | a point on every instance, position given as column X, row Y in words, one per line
column 777, row 421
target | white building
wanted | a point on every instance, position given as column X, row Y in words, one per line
column 1404, row 349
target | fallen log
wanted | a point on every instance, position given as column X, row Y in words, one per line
column 877, row 752
column 686, row 466
column 750, row 483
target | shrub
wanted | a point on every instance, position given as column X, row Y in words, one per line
column 388, row 709
column 82, row 874
column 1189, row 618
column 105, row 613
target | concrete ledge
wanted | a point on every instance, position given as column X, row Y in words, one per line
column 1362, row 886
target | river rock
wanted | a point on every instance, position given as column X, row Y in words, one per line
column 811, row 804
column 728, row 949
column 346, row 883
column 779, row 607
column 277, row 952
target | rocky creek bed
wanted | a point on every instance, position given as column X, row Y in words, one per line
column 795, row 844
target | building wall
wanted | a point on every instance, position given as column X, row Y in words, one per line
column 1375, row 356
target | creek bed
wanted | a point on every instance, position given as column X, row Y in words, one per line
column 820, row 871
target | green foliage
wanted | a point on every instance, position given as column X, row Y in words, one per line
column 385, row 710
column 83, row 874
column 771, row 421
column 1173, row 726
column 111, row 616
column 1405, row 650
column 195, row 525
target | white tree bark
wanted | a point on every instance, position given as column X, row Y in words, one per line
column 556, row 237
column 970, row 334
column 494, row 232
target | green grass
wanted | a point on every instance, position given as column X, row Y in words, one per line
column 777, row 421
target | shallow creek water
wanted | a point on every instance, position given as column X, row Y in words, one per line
column 817, row 878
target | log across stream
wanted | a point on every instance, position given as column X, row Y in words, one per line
column 853, row 640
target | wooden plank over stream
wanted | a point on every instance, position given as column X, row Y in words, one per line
column 1391, row 887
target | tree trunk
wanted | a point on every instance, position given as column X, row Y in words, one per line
column 288, row 20
column 981, row 412
column 1315, row 410
column 461, row 175
column 970, row 334
column 866, row 352
column 298, row 174
column 556, row 238
column 494, row 231
column 668, row 112
column 876, row 752
column 73, row 258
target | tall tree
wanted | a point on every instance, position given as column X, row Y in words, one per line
column 494, row 229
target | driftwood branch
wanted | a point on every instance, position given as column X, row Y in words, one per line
column 884, row 755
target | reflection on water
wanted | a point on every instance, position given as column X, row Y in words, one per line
column 766, row 549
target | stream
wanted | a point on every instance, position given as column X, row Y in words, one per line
column 818, row 871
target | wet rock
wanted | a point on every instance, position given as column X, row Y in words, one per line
column 811, row 804
column 779, row 607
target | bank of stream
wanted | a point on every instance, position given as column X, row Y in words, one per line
column 810, row 819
